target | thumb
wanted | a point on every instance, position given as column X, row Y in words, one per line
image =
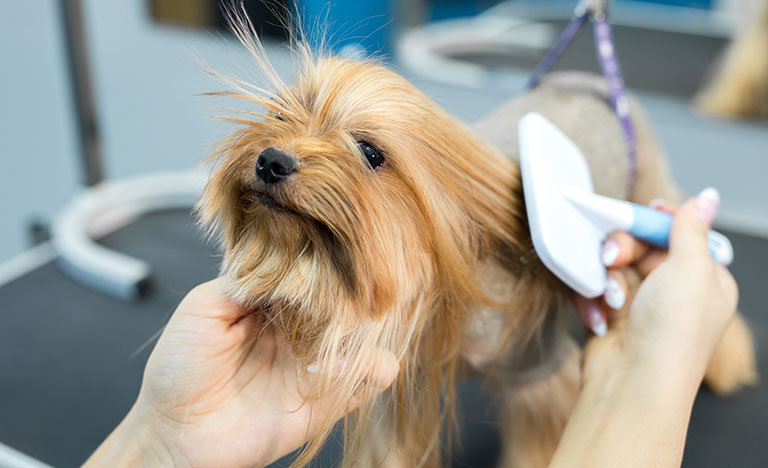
column 692, row 223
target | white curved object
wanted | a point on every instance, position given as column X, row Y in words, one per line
column 107, row 207
column 427, row 50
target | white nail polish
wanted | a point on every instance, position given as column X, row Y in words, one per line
column 609, row 253
column 600, row 329
column 595, row 319
column 710, row 194
column 614, row 294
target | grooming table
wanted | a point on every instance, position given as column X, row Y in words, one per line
column 71, row 359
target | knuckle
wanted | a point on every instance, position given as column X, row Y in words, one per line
column 204, row 293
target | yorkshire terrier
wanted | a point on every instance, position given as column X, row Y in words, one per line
column 356, row 215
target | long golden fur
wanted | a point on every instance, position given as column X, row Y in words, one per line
column 739, row 88
column 427, row 257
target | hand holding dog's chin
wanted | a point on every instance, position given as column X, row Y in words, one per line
column 217, row 392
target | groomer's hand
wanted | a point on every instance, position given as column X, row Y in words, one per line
column 641, row 376
column 680, row 310
column 221, row 390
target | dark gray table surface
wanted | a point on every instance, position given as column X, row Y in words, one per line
column 70, row 365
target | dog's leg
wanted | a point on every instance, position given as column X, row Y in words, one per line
column 732, row 365
column 534, row 414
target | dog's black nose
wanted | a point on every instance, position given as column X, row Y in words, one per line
column 274, row 165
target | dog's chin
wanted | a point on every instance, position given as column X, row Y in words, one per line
column 261, row 203
column 277, row 226
column 269, row 202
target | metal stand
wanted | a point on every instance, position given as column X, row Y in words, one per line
column 105, row 206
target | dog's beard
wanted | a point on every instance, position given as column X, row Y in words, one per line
column 308, row 278
column 318, row 258
column 280, row 255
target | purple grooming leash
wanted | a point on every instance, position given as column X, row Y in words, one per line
column 606, row 55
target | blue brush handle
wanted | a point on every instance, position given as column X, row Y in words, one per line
column 653, row 226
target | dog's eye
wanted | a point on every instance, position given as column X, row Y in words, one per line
column 279, row 116
column 372, row 155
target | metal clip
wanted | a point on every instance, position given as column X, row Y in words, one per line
column 596, row 8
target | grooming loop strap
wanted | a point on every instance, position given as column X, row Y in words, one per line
column 606, row 56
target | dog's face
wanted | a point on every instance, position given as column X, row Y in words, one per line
column 352, row 200
column 325, row 211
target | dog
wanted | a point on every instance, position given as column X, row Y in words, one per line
column 356, row 215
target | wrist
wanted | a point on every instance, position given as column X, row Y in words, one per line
column 646, row 380
column 648, row 403
column 135, row 442
column 675, row 367
column 659, row 369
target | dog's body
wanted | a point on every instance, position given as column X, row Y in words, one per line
column 358, row 216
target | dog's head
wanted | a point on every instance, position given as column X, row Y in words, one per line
column 354, row 197
column 353, row 212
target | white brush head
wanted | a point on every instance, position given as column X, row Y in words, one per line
column 567, row 243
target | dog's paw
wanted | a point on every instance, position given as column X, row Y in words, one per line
column 732, row 366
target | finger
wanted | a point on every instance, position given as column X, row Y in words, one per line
column 379, row 374
column 615, row 295
column 621, row 249
column 650, row 261
column 372, row 376
column 209, row 300
column 591, row 314
column 662, row 205
column 692, row 222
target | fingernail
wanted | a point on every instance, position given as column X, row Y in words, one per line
column 609, row 252
column 614, row 294
column 337, row 367
column 657, row 203
column 595, row 319
column 706, row 204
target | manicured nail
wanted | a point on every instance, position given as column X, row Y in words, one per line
column 706, row 204
column 657, row 203
column 337, row 367
column 609, row 252
column 614, row 294
column 595, row 319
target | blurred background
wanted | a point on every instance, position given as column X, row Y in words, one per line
column 96, row 91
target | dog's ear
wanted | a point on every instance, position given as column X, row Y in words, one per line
column 471, row 197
